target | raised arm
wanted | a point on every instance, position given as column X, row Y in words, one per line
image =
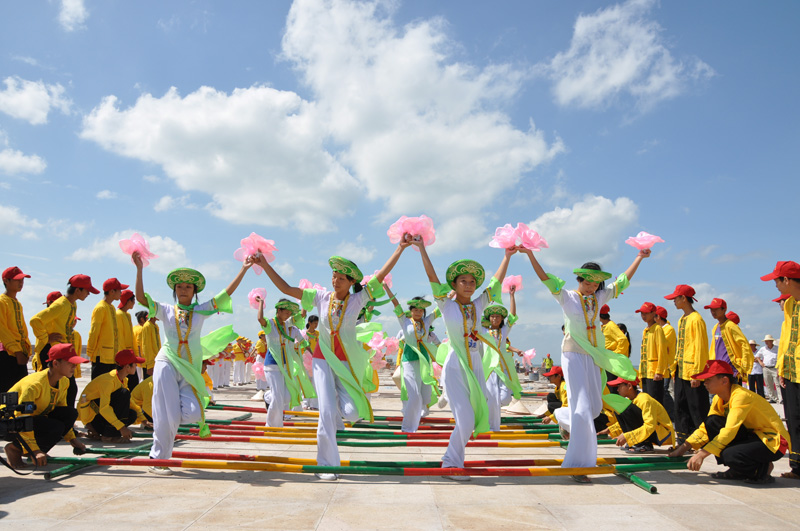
column 644, row 253
column 391, row 296
column 537, row 267
column 426, row 261
column 260, row 317
column 137, row 261
column 512, row 306
column 500, row 274
column 392, row 261
column 249, row 261
column 276, row 279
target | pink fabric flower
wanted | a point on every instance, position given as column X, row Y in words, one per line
column 512, row 280
column 386, row 280
column 256, row 292
column 377, row 341
column 378, row 362
column 258, row 370
column 643, row 240
column 437, row 370
column 392, row 346
column 251, row 246
column 421, row 226
column 504, row 237
column 529, row 238
column 527, row 356
column 507, row 236
column 307, row 357
column 137, row 243
column 306, row 284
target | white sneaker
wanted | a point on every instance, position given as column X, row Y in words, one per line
column 160, row 470
column 258, row 397
column 458, row 478
column 327, row 477
column 442, row 402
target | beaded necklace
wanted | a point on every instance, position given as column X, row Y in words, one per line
column 183, row 341
column 591, row 329
column 472, row 330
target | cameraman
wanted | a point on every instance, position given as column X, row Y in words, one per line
column 52, row 419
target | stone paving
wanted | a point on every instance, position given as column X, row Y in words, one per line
column 129, row 497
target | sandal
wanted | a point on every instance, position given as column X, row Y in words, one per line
column 639, row 449
column 766, row 480
column 728, row 474
column 790, row 475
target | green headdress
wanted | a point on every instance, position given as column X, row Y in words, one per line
column 186, row 275
column 495, row 309
column 288, row 305
column 418, row 303
column 465, row 267
column 592, row 275
column 346, row 267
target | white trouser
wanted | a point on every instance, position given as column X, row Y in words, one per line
column 277, row 398
column 497, row 396
column 261, row 385
column 455, row 381
column 139, row 373
column 584, row 395
column 771, row 384
column 418, row 396
column 174, row 404
column 226, row 373
column 238, row 372
column 334, row 403
column 248, row 372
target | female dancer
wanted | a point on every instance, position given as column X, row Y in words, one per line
column 584, row 354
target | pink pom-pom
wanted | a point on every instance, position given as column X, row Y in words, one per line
column 386, row 280
column 251, row 246
column 377, row 341
column 258, row 371
column 527, row 356
column 137, row 243
column 421, row 226
column 256, row 292
column 504, row 237
column 643, row 240
column 512, row 280
column 529, row 238
column 392, row 345
column 437, row 370
column 307, row 357
column 377, row 362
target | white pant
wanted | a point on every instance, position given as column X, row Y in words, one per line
column 174, row 404
column 238, row 372
column 226, row 373
column 334, row 403
column 248, row 372
column 418, row 396
column 277, row 398
column 455, row 381
column 139, row 373
column 497, row 396
column 584, row 395
column 772, row 384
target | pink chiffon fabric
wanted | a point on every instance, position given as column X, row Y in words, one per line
column 507, row 236
column 420, row 226
column 512, row 280
column 137, row 243
column 643, row 240
column 256, row 292
column 251, row 246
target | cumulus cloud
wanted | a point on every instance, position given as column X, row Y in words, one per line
column 460, row 232
column 32, row 101
column 356, row 251
column 171, row 254
column 72, row 15
column 619, row 50
column 168, row 203
column 13, row 162
column 591, row 230
column 106, row 194
column 15, row 223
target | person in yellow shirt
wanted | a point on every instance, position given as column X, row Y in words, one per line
column 653, row 365
column 52, row 419
column 558, row 398
column 52, row 297
column 641, row 425
column 742, row 429
column 125, row 330
column 261, row 352
column 142, row 396
column 730, row 345
column 103, row 343
column 691, row 355
column 106, row 407
column 787, row 279
column 13, row 332
column 141, row 319
column 672, row 340
column 239, row 355
column 615, row 338
column 151, row 344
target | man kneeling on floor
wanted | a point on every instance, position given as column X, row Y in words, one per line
column 52, row 418
column 643, row 423
column 106, row 407
column 742, row 429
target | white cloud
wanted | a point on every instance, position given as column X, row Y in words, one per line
column 106, row 194
column 151, row 178
column 13, row 162
column 460, row 232
column 618, row 50
column 171, row 254
column 72, row 15
column 591, row 230
column 168, row 203
column 32, row 100
column 15, row 223
column 285, row 269
column 64, row 228
column 355, row 251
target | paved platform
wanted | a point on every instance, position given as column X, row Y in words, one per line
column 128, row 497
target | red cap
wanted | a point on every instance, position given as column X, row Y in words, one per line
column 52, row 297
column 65, row 351
column 782, row 269
column 605, row 309
column 781, row 298
column 716, row 303
column 112, row 284
column 124, row 298
column 126, row 357
column 733, row 316
column 618, row 381
column 647, row 307
column 712, row 368
column 14, row 273
column 661, row 312
column 83, row 281
column 555, row 370
column 682, row 289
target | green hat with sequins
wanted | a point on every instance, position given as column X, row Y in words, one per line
column 592, row 275
column 287, row 305
column 465, row 267
column 186, row 275
column 418, row 303
column 346, row 267
column 495, row 309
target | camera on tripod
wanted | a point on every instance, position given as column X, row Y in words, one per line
column 9, row 406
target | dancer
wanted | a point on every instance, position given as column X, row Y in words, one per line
column 179, row 392
column 342, row 373
column 584, row 358
column 416, row 372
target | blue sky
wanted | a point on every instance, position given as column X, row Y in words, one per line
column 318, row 123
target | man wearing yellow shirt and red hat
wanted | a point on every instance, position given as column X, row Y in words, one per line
column 151, row 344
column 103, row 342
column 558, row 398
column 729, row 345
column 13, row 331
column 653, row 363
column 52, row 419
column 125, row 330
column 615, row 338
column 742, row 429
column 787, row 279
column 643, row 423
column 672, row 341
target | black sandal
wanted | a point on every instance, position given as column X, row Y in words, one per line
column 728, row 474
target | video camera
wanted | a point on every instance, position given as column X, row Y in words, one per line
column 9, row 423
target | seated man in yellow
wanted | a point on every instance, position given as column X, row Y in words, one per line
column 742, row 429
column 142, row 396
column 558, row 398
column 642, row 424
column 106, row 407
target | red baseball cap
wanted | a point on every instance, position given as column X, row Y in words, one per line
column 113, row 283
column 647, row 307
column 682, row 289
column 712, row 368
column 716, row 303
column 555, row 370
column 65, row 351
column 733, row 316
column 781, row 298
column 52, row 297
column 83, row 281
column 618, row 381
column 782, row 269
column 661, row 312
column 124, row 298
column 14, row 273
column 126, row 357
column 605, row 309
